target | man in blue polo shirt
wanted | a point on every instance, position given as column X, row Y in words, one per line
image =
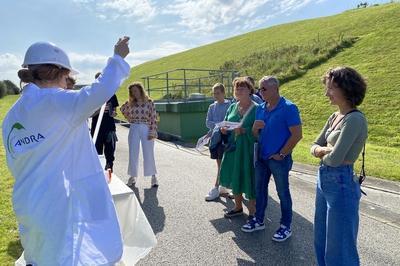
column 278, row 129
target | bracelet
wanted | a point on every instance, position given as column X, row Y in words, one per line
column 313, row 150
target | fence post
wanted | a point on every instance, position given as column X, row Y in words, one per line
column 167, row 86
column 184, row 83
column 148, row 86
column 199, row 86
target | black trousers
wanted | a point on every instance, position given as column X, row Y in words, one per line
column 106, row 142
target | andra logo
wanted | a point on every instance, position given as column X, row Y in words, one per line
column 21, row 141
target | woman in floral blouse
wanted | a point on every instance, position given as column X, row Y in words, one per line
column 141, row 114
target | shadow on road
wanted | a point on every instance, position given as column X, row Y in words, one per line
column 298, row 250
column 154, row 213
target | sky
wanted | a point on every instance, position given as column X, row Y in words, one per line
column 87, row 29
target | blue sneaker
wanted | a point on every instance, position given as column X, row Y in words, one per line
column 282, row 233
column 253, row 225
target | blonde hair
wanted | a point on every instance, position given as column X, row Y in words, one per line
column 219, row 86
column 143, row 93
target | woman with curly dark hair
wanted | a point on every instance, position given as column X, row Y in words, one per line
column 338, row 189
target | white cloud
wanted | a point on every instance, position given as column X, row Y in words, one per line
column 253, row 23
column 9, row 66
column 207, row 16
column 288, row 6
column 164, row 49
column 141, row 10
column 88, row 64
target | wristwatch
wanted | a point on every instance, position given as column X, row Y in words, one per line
column 282, row 155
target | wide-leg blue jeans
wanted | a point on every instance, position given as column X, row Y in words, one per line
column 336, row 216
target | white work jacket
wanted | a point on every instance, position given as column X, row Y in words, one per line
column 63, row 205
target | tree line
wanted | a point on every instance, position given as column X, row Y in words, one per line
column 7, row 87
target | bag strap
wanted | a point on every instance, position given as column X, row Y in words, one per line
column 341, row 119
column 362, row 175
column 252, row 105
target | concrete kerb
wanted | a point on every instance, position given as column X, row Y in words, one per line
column 380, row 205
column 371, row 182
column 303, row 171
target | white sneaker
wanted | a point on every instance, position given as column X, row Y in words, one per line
column 131, row 181
column 226, row 192
column 213, row 194
column 154, row 181
column 223, row 190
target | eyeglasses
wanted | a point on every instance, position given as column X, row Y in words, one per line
column 263, row 89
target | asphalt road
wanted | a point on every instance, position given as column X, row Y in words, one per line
column 191, row 231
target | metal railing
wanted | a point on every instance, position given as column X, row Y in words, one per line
column 182, row 82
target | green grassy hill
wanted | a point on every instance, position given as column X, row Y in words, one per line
column 376, row 54
column 10, row 248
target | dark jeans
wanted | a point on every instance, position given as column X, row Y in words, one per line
column 106, row 142
column 280, row 171
column 336, row 216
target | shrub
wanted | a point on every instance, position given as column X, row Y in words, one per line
column 290, row 62
column 3, row 89
column 11, row 87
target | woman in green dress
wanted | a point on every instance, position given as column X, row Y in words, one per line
column 237, row 171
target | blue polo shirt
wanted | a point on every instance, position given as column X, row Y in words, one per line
column 277, row 122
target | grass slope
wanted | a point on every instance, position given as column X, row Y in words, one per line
column 10, row 248
column 375, row 55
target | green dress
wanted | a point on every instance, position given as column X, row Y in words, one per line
column 237, row 170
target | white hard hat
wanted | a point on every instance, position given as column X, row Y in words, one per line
column 47, row 53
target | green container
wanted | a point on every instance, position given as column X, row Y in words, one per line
column 183, row 119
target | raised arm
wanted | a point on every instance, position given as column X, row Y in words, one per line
column 85, row 102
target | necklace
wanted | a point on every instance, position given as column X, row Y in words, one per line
column 243, row 109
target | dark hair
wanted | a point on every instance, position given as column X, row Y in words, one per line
column 71, row 80
column 243, row 81
column 97, row 75
column 46, row 72
column 349, row 81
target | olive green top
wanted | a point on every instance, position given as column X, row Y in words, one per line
column 347, row 138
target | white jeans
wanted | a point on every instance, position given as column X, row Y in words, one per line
column 138, row 133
